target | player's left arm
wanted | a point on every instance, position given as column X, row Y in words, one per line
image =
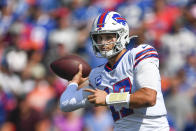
column 144, row 97
column 98, row 97
column 147, row 78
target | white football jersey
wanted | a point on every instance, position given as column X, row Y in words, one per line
column 137, row 68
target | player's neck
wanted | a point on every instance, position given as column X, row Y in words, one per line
column 114, row 59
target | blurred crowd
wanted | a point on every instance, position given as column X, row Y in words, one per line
column 33, row 33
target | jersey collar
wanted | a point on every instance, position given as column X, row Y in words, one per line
column 108, row 69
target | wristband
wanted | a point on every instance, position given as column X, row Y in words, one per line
column 118, row 98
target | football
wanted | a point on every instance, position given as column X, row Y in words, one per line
column 67, row 66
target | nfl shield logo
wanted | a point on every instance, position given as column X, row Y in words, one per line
column 99, row 28
column 98, row 80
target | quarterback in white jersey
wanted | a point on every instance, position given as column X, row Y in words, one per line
column 129, row 84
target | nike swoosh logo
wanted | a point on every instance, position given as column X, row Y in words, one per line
column 144, row 46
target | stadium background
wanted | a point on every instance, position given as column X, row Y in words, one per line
column 33, row 33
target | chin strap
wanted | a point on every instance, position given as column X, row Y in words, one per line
column 133, row 36
column 118, row 98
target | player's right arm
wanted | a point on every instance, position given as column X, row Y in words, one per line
column 74, row 97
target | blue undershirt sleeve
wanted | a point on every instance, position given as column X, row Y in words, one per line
column 73, row 99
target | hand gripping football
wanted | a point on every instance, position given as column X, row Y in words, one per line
column 67, row 66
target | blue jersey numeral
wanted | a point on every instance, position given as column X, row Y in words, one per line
column 126, row 85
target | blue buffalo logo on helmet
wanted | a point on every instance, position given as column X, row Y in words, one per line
column 119, row 19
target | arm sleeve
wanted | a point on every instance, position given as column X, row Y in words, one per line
column 72, row 99
column 147, row 75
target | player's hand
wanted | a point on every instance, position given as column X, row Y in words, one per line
column 78, row 78
column 98, row 97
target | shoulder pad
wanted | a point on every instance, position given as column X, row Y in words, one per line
column 144, row 51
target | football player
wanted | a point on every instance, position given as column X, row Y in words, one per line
column 129, row 83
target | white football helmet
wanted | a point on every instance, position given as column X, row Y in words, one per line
column 110, row 22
